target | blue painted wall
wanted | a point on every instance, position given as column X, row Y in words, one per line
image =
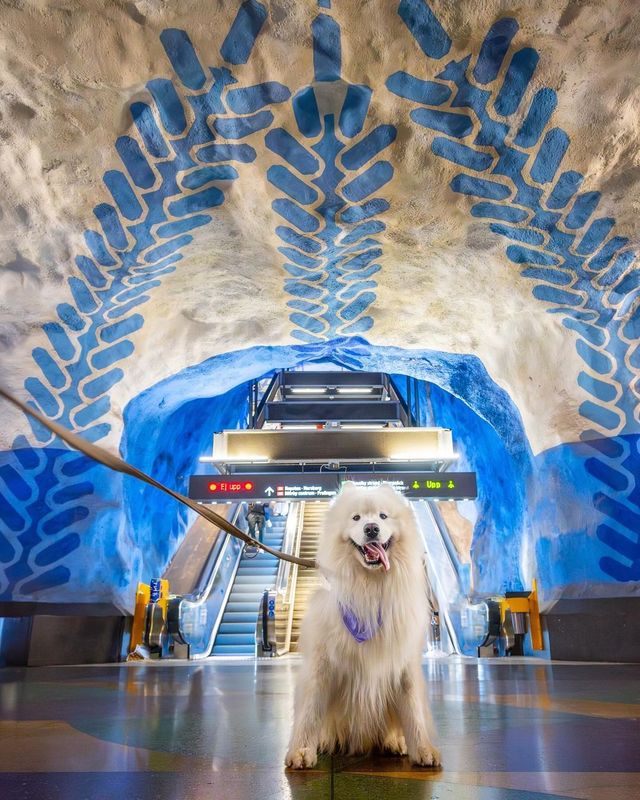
column 60, row 529
column 503, row 473
column 535, row 515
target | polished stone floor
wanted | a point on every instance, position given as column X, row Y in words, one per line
column 508, row 730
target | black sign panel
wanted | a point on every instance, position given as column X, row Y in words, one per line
column 324, row 485
column 262, row 486
column 436, row 485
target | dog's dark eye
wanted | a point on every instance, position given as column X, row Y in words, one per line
column 356, row 517
column 383, row 516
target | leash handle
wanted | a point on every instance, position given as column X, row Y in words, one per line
column 103, row 456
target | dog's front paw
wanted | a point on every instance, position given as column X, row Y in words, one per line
column 395, row 745
column 426, row 756
column 301, row 758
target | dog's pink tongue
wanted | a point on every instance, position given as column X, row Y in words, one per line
column 376, row 550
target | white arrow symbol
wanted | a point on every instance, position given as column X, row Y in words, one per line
column 268, row 491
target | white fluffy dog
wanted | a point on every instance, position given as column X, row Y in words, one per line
column 361, row 684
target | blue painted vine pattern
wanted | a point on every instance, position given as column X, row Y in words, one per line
column 329, row 171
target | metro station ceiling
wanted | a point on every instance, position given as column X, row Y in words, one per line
column 185, row 180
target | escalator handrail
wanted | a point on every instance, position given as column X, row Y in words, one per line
column 291, row 534
column 289, row 600
column 442, row 610
column 446, row 538
column 229, row 540
column 290, row 595
column 259, row 411
column 428, row 508
column 403, row 403
column 213, row 562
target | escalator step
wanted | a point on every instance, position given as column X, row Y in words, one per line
column 240, row 617
column 239, row 607
column 238, row 639
column 234, row 650
column 247, row 576
column 239, row 628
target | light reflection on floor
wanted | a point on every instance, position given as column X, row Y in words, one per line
column 511, row 730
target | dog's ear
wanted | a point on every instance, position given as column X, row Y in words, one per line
column 347, row 486
column 388, row 488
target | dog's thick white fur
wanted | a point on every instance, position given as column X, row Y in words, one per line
column 355, row 696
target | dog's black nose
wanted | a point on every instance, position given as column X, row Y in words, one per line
column 371, row 530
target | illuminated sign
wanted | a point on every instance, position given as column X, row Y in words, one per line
column 434, row 485
column 262, row 486
column 232, row 486
column 324, row 485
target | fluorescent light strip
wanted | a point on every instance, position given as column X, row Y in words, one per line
column 423, row 457
column 362, row 426
column 240, row 459
column 307, row 389
column 355, row 390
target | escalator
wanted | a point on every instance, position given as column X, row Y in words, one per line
column 465, row 624
column 308, row 580
column 189, row 566
column 237, row 631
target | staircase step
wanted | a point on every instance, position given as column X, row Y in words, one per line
column 308, row 580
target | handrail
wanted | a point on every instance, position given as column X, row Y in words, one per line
column 410, row 420
column 288, row 546
column 289, row 600
column 206, row 651
column 293, row 579
column 257, row 422
column 203, row 593
column 446, row 538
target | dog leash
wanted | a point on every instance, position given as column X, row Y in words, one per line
column 117, row 464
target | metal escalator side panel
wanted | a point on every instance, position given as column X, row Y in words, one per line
column 194, row 614
column 441, row 570
column 196, row 554
column 217, row 595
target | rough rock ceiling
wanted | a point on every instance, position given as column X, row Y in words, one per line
column 439, row 175
column 181, row 180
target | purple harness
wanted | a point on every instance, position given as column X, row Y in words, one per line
column 361, row 631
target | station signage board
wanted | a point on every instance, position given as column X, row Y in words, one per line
column 324, row 485
column 434, row 485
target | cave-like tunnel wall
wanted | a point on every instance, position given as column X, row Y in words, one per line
column 189, row 192
column 535, row 516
